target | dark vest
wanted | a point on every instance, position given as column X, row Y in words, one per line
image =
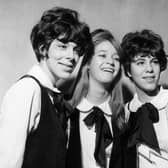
column 46, row 146
column 74, row 158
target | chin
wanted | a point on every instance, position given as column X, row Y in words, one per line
column 108, row 80
column 152, row 90
column 65, row 76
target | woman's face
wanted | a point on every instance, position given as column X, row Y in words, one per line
column 145, row 73
column 105, row 64
column 62, row 59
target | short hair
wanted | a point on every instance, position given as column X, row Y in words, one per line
column 62, row 24
column 139, row 42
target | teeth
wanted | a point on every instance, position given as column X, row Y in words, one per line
column 109, row 70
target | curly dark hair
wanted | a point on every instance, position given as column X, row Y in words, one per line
column 142, row 42
column 62, row 24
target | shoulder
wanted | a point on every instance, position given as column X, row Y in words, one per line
column 165, row 93
column 161, row 100
column 21, row 100
column 22, row 92
column 164, row 97
column 24, row 86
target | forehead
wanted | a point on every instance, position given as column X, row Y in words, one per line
column 65, row 38
column 57, row 41
column 143, row 56
column 105, row 46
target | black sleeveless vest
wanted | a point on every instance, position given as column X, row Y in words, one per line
column 46, row 146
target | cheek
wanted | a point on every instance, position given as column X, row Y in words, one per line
column 157, row 70
column 93, row 66
column 52, row 64
column 54, row 54
column 117, row 65
column 77, row 58
column 135, row 71
column 92, row 70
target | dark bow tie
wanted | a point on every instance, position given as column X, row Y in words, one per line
column 150, row 111
column 142, row 124
column 58, row 99
column 103, row 134
column 62, row 107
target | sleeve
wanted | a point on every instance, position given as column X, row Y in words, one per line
column 14, row 117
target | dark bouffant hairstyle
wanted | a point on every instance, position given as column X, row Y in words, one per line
column 62, row 24
column 142, row 42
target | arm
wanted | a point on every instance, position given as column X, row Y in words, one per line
column 14, row 116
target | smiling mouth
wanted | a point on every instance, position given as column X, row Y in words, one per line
column 149, row 79
column 108, row 70
column 68, row 67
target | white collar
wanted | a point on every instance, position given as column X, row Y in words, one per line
column 85, row 105
column 38, row 73
column 159, row 101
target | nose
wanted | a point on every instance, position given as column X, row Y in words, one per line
column 110, row 60
column 149, row 67
column 70, row 52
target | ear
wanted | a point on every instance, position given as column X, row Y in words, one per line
column 129, row 74
column 42, row 50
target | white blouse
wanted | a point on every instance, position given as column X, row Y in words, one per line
column 88, row 135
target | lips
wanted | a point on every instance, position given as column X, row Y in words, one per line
column 108, row 70
column 68, row 67
column 68, row 64
column 149, row 78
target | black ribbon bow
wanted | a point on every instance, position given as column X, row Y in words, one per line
column 103, row 134
column 141, row 126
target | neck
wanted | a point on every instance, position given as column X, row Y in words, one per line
column 45, row 68
column 145, row 97
column 97, row 94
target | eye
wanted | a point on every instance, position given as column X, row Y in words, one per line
column 102, row 55
column 140, row 62
column 116, row 57
column 155, row 61
column 62, row 46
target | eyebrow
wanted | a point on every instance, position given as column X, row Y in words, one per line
column 105, row 51
column 137, row 59
column 102, row 50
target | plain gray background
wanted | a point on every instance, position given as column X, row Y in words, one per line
column 17, row 18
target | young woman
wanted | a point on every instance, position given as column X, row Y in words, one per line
column 32, row 123
column 144, row 59
column 99, row 117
